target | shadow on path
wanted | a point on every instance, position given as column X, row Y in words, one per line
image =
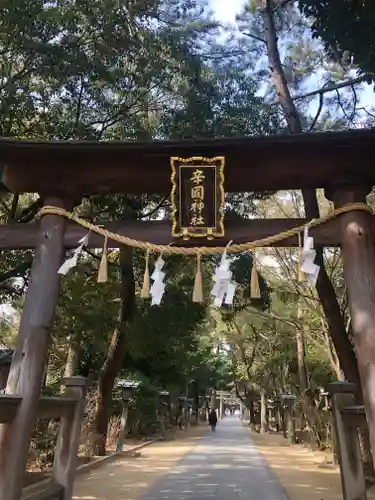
column 225, row 465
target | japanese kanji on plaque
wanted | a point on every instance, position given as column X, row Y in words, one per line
column 197, row 197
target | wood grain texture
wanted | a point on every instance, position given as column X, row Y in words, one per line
column 359, row 271
column 27, row 369
column 251, row 164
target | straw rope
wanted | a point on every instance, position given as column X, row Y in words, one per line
column 234, row 248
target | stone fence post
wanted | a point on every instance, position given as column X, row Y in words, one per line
column 65, row 463
column 347, row 417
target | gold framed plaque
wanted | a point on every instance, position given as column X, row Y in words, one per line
column 197, row 197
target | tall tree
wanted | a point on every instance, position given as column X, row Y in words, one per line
column 268, row 18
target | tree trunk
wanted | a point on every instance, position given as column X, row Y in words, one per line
column 326, row 292
column 333, row 359
column 301, row 358
column 263, row 412
column 213, row 399
column 301, row 355
column 195, row 409
column 251, row 412
column 116, row 353
column 71, row 362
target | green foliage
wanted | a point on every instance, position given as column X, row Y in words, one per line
column 220, row 102
column 145, row 402
column 347, row 28
column 164, row 343
column 87, row 313
column 91, row 70
column 153, row 69
column 320, row 372
column 161, row 337
column 242, row 267
column 8, row 328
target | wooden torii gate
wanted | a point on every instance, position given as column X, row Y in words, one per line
column 63, row 172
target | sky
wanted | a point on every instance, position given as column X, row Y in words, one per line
column 226, row 10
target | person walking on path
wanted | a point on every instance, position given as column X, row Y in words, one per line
column 212, row 419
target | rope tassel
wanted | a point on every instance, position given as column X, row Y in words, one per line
column 103, row 267
column 254, row 281
column 198, row 288
column 145, row 293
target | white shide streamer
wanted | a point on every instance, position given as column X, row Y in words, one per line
column 223, row 289
column 158, row 287
column 308, row 266
column 72, row 261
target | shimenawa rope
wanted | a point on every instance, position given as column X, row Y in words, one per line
column 234, row 248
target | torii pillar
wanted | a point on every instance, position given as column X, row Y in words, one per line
column 358, row 253
column 30, row 355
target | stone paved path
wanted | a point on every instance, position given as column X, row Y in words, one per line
column 127, row 478
column 223, row 466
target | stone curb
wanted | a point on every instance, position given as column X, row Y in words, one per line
column 99, row 461
column 28, row 490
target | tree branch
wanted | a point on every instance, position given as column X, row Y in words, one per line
column 321, row 101
column 28, row 213
column 282, row 4
column 13, row 208
column 17, row 271
column 328, row 88
column 156, row 209
column 325, row 89
column 258, row 38
column 255, row 345
column 367, row 112
column 355, row 101
column 98, row 257
column 78, row 109
column 5, row 206
column 238, row 394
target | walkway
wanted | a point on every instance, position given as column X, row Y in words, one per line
column 221, row 466
column 224, row 466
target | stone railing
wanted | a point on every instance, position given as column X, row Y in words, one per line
column 70, row 409
column 349, row 422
